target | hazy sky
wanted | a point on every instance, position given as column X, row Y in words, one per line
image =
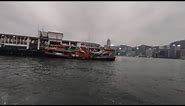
column 131, row 23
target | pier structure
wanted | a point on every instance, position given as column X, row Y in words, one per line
column 35, row 46
column 19, row 41
column 18, row 44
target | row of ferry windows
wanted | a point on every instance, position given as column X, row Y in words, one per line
column 13, row 39
column 58, row 43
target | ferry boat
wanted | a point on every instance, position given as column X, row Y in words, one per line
column 56, row 46
column 82, row 52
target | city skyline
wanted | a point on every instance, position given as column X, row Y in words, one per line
column 129, row 23
column 167, row 44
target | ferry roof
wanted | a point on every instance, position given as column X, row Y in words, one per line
column 17, row 35
column 55, row 32
column 79, row 41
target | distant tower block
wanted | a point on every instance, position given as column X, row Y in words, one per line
column 108, row 42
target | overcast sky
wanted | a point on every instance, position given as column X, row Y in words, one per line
column 130, row 23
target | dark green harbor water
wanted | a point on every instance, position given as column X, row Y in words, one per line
column 127, row 80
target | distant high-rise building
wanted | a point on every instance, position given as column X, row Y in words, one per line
column 108, row 42
column 149, row 52
column 177, row 48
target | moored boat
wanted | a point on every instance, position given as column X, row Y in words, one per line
column 57, row 47
column 81, row 52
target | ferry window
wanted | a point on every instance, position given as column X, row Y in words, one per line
column 11, row 40
column 32, row 41
column 54, row 43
